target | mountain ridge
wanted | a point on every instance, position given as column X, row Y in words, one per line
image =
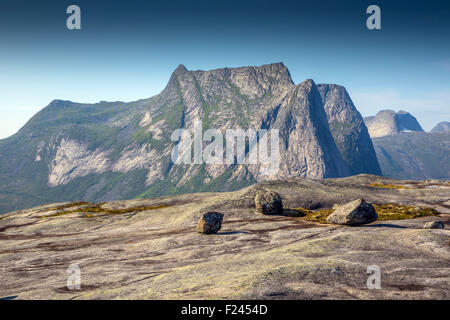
column 414, row 155
column 119, row 150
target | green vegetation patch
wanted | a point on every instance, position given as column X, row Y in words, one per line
column 399, row 212
column 97, row 209
column 384, row 211
column 66, row 206
column 319, row 216
column 388, row 186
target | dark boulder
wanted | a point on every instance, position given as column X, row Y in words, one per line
column 268, row 202
column 210, row 223
column 434, row 225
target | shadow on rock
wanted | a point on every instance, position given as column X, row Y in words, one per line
column 231, row 232
column 291, row 213
column 385, row 225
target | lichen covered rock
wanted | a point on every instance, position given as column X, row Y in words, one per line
column 354, row 213
column 268, row 202
column 210, row 223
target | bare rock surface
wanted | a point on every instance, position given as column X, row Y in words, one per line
column 149, row 248
column 354, row 213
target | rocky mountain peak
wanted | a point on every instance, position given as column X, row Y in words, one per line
column 407, row 122
column 441, row 127
column 308, row 148
column 120, row 150
column 252, row 81
column 180, row 69
column 389, row 122
column 348, row 130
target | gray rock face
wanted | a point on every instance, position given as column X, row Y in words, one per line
column 116, row 150
column 268, row 202
column 307, row 148
column 210, row 223
column 441, row 127
column 348, row 130
column 388, row 122
column 354, row 213
column 434, row 225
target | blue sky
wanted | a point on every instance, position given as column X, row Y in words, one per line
column 127, row 50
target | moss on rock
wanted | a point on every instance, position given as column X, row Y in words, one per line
column 385, row 212
column 94, row 210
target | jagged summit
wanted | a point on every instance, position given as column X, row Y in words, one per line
column 180, row 69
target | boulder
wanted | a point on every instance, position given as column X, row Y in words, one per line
column 353, row 213
column 210, row 223
column 268, row 202
column 434, row 225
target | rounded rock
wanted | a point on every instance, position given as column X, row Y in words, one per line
column 354, row 213
column 210, row 223
column 434, row 225
column 268, row 202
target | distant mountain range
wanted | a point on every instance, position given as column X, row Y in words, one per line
column 414, row 155
column 405, row 151
column 117, row 150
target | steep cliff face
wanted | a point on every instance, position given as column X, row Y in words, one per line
column 116, row 150
column 307, row 146
column 348, row 130
column 388, row 122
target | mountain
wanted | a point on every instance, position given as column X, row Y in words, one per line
column 388, row 122
column 115, row 150
column 414, row 155
column 348, row 130
column 405, row 151
column 441, row 127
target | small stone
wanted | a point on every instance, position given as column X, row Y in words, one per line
column 354, row 213
column 434, row 225
column 210, row 223
column 268, row 202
